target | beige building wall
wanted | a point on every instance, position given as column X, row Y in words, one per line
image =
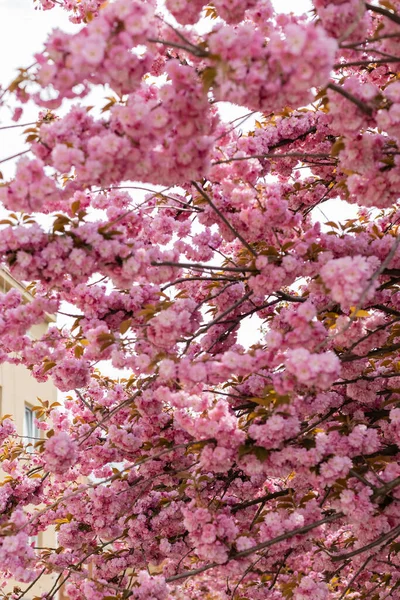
column 19, row 389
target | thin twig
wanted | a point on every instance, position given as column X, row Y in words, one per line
column 261, row 546
column 361, row 63
column 18, row 125
column 272, row 155
column 193, row 50
column 207, row 198
column 266, row 498
column 352, row 580
column 15, row 156
column 197, row 266
column 361, row 105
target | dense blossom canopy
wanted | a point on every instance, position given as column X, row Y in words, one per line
column 222, row 464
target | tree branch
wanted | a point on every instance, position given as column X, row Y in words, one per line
column 383, row 538
column 15, row 155
column 261, row 546
column 197, row 266
column 266, row 498
column 361, row 105
column 224, row 219
column 301, row 155
column 382, row 11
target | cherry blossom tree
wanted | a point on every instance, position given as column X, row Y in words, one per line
column 220, row 465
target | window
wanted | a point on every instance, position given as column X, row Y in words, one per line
column 31, row 432
column 31, row 436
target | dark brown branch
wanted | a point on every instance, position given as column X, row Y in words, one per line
column 247, row 571
column 361, row 105
column 275, row 579
column 300, row 155
column 390, row 450
column 374, row 353
column 266, row 498
column 370, row 40
column 15, row 156
column 352, row 580
column 30, row 586
column 360, row 63
column 320, row 420
column 207, row 198
column 290, row 298
column 287, row 141
column 261, row 546
column 197, row 266
column 387, row 309
column 367, row 378
column 217, row 319
column 382, row 11
column 380, row 540
column 387, row 488
column 372, row 332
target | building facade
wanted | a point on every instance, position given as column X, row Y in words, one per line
column 19, row 393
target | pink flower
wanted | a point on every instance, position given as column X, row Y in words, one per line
column 71, row 373
column 336, row 467
column 319, row 370
column 309, row 589
column 61, row 453
column 347, row 279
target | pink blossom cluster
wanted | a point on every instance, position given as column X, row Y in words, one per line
column 209, row 535
column 71, row 373
column 100, row 52
column 60, row 453
column 314, row 370
column 173, row 324
column 150, row 587
column 188, row 12
column 32, row 190
column 275, row 431
column 295, row 59
column 157, row 128
column 81, row 10
column 343, row 18
column 389, row 119
column 311, row 588
column 249, row 445
column 395, row 422
column 16, row 555
column 7, row 428
column 347, row 279
column 348, row 120
column 366, row 161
